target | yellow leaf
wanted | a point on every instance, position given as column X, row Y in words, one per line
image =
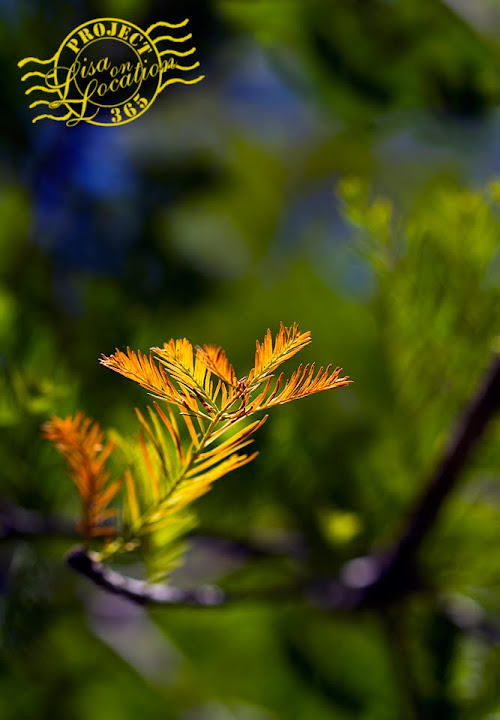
column 268, row 357
column 133, row 505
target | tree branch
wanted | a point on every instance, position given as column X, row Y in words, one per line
column 396, row 573
column 289, row 544
column 139, row 591
column 144, row 593
column 17, row 522
column 377, row 580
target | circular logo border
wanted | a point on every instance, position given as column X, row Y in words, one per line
column 143, row 34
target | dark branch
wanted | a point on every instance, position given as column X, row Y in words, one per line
column 396, row 574
column 139, row 591
column 290, row 544
column 144, row 593
column 376, row 580
column 17, row 522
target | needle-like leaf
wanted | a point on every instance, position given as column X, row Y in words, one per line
column 172, row 464
column 80, row 441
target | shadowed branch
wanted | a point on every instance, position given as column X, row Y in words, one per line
column 396, row 574
column 144, row 593
column 17, row 522
column 139, row 591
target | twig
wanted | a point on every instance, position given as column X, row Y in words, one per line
column 17, row 522
column 144, row 593
column 291, row 545
column 139, row 591
column 396, row 575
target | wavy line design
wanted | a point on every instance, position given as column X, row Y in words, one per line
column 181, row 80
column 169, row 37
column 187, row 67
column 35, row 73
column 54, row 105
column 163, row 23
column 41, row 88
column 169, row 51
column 51, row 103
column 178, row 53
column 53, row 117
column 25, row 61
column 173, row 39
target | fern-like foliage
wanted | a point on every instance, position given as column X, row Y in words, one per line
column 185, row 443
column 80, row 441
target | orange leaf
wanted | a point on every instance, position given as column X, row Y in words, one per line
column 80, row 441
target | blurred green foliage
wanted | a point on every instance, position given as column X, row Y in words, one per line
column 331, row 170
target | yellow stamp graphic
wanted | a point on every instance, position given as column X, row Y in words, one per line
column 109, row 71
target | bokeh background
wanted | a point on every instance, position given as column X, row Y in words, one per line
column 337, row 168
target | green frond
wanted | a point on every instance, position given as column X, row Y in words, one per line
column 164, row 545
column 234, row 440
column 222, row 468
column 162, row 446
column 132, row 511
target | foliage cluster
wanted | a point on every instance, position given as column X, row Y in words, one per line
column 170, row 473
